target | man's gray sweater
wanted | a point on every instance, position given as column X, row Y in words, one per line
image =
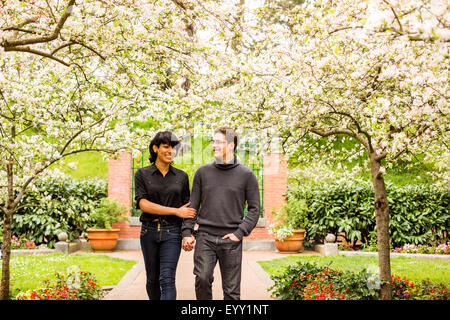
column 219, row 193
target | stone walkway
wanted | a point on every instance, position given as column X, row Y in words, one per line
column 254, row 284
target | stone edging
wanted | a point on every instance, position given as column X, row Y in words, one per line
column 31, row 251
column 125, row 282
column 444, row 257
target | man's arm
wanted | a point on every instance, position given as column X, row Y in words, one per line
column 196, row 194
column 253, row 208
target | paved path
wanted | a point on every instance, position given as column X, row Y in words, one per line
column 254, row 284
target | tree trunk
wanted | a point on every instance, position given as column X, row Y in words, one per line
column 382, row 222
column 6, row 254
column 7, row 233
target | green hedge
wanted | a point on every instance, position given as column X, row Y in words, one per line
column 57, row 205
column 419, row 214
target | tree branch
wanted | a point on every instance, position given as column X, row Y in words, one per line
column 37, row 52
column 20, row 25
column 53, row 36
column 344, row 28
column 61, row 47
column 341, row 131
column 368, row 143
column 381, row 156
column 19, row 30
column 78, row 133
column 89, row 48
column 395, row 14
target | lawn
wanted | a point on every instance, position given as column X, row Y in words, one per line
column 88, row 165
column 30, row 271
column 413, row 269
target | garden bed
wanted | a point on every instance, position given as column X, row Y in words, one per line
column 355, row 278
column 28, row 272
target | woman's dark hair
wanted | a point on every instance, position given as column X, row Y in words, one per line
column 162, row 137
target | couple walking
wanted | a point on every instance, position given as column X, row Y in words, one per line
column 216, row 204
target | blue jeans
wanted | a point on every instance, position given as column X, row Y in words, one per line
column 161, row 248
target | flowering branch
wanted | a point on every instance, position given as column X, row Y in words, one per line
column 39, row 53
column 21, row 45
column 49, row 38
column 348, row 132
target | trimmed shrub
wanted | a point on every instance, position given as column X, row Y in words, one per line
column 57, row 205
column 419, row 214
column 106, row 213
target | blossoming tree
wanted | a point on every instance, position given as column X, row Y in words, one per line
column 75, row 76
column 375, row 71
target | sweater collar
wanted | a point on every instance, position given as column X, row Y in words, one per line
column 228, row 165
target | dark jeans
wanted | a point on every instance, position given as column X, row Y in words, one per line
column 208, row 249
column 161, row 250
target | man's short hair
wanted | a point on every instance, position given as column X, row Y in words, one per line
column 162, row 137
column 230, row 135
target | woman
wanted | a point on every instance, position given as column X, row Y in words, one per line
column 162, row 194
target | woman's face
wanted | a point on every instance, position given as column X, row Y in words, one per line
column 165, row 152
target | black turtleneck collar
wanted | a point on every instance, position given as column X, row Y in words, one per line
column 228, row 165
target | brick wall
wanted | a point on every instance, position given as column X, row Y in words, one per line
column 119, row 187
column 275, row 186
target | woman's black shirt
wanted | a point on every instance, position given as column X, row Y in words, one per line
column 170, row 191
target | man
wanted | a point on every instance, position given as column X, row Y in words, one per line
column 219, row 192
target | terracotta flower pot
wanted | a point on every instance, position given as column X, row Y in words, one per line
column 291, row 244
column 104, row 240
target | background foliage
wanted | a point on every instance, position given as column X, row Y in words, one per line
column 419, row 214
column 57, row 205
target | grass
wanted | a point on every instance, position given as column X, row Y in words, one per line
column 30, row 271
column 413, row 269
column 88, row 165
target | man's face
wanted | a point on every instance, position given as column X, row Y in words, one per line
column 220, row 146
column 165, row 152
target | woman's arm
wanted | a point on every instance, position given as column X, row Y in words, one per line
column 154, row 208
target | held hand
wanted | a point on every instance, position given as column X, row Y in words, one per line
column 185, row 212
column 188, row 243
column 231, row 236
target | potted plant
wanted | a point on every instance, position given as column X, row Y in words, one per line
column 101, row 235
column 288, row 227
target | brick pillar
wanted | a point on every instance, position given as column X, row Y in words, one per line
column 119, row 188
column 275, row 186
